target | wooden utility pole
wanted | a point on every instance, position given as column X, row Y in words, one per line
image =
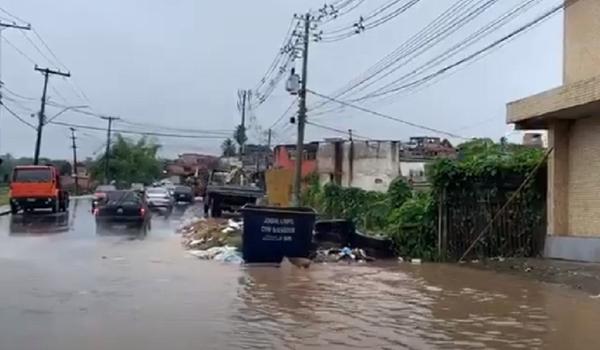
column 42, row 116
column 75, row 172
column 301, row 115
column 107, row 152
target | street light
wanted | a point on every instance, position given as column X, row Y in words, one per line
column 64, row 110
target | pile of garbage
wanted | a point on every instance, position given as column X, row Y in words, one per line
column 344, row 254
column 213, row 238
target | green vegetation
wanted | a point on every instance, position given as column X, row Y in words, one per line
column 410, row 218
column 228, row 148
column 4, row 199
column 130, row 161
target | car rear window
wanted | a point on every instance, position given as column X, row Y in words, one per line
column 122, row 198
column 105, row 188
column 32, row 175
column 183, row 189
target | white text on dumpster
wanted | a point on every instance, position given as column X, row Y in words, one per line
column 278, row 229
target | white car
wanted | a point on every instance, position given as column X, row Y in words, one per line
column 159, row 197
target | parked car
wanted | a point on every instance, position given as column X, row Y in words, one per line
column 183, row 194
column 122, row 210
column 159, row 198
column 37, row 187
column 100, row 194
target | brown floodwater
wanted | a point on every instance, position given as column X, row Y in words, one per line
column 74, row 290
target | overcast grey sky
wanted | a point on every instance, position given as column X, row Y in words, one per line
column 180, row 63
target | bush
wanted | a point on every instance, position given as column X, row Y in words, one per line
column 412, row 227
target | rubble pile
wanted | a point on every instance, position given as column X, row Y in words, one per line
column 212, row 239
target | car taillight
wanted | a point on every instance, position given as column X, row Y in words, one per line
column 142, row 211
column 96, row 211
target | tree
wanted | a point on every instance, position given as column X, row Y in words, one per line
column 240, row 136
column 130, row 161
column 228, row 148
column 65, row 168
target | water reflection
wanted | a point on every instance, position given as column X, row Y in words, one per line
column 39, row 223
column 407, row 307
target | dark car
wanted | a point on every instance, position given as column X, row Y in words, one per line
column 100, row 194
column 122, row 210
column 183, row 194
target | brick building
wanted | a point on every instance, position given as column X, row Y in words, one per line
column 571, row 114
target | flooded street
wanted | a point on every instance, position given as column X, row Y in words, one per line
column 74, row 290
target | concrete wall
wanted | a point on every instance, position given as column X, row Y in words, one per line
column 374, row 164
column 581, row 40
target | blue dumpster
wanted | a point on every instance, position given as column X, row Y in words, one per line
column 270, row 233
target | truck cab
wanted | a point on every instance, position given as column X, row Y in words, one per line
column 35, row 187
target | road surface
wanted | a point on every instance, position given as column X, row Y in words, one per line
column 73, row 290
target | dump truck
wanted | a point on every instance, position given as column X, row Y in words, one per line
column 229, row 191
column 36, row 187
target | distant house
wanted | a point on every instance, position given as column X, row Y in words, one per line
column 190, row 164
column 284, row 157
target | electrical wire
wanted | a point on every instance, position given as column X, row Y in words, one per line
column 339, row 131
column 27, row 57
column 452, row 18
column 143, row 133
column 385, row 116
column 455, row 49
column 11, row 15
column 11, row 112
column 475, row 54
column 363, row 24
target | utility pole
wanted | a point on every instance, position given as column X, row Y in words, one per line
column 4, row 25
column 42, row 116
column 301, row 115
column 243, row 97
column 74, row 146
column 107, row 152
column 269, row 138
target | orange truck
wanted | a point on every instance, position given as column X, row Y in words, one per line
column 35, row 187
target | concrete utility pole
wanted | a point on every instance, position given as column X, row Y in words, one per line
column 107, row 152
column 301, row 115
column 269, row 138
column 243, row 101
column 74, row 146
column 42, row 116
column 4, row 25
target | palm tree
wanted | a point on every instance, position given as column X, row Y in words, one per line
column 228, row 148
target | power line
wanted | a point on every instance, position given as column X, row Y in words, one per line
column 27, row 57
column 11, row 15
column 339, row 131
column 469, row 41
column 385, row 116
column 475, row 54
column 452, row 19
column 363, row 23
column 17, row 116
column 49, row 49
column 142, row 133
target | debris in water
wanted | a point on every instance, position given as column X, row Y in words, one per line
column 415, row 261
column 213, row 239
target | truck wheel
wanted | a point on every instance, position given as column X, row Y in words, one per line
column 56, row 206
column 14, row 209
column 216, row 211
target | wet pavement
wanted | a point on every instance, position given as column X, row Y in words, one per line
column 73, row 290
